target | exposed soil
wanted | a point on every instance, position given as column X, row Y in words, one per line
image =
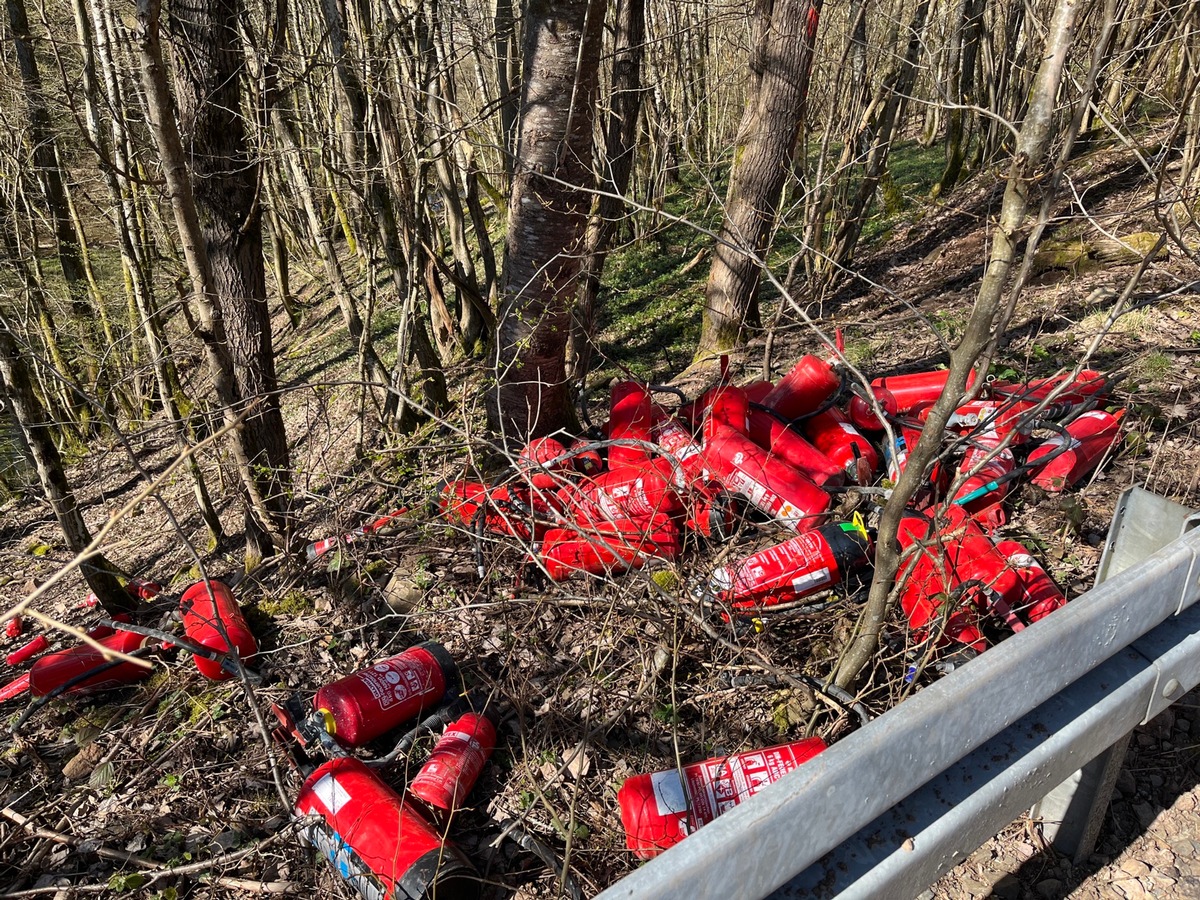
column 599, row 680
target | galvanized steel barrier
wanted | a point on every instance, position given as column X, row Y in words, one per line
column 886, row 811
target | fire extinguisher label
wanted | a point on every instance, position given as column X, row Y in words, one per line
column 669, row 794
column 392, row 683
column 718, row 785
column 331, row 794
column 348, row 864
column 811, row 581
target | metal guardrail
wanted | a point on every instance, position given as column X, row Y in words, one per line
column 890, row 808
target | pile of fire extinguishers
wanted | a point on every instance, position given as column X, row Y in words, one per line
column 611, row 501
column 780, row 452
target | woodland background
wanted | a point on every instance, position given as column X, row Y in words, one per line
column 270, row 269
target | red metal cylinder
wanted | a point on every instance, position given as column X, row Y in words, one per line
column 1040, row 595
column 28, row 651
column 832, row 433
column 543, row 452
column 804, row 565
column 15, row 688
column 206, row 608
column 631, row 417
column 1000, row 417
column 677, row 442
column 661, row 809
column 380, row 844
column 55, row 669
column 609, row 547
column 781, row 441
column 810, row 383
column 628, row 492
column 728, row 407
column 455, row 762
column 896, row 457
column 768, row 483
column 14, row 626
column 586, row 462
column 902, row 395
column 362, row 706
column 992, row 464
column 1087, row 385
column 1088, row 438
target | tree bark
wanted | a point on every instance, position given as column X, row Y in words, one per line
column 780, row 67
column 547, row 215
column 259, row 443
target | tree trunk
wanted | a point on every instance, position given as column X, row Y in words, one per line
column 547, row 215
column 100, row 574
column 780, row 67
column 620, row 135
column 247, row 386
column 49, row 175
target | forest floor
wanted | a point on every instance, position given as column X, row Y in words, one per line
column 167, row 788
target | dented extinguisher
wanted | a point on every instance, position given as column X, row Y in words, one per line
column 660, row 809
column 456, row 761
column 362, row 706
column 378, row 840
column 804, row 565
column 212, row 618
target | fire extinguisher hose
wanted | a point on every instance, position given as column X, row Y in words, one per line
column 514, row 831
column 1021, row 470
column 440, row 718
column 61, row 689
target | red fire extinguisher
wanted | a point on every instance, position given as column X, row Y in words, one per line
column 1086, row 441
column 837, row 438
column 629, row 492
column 586, row 462
column 1041, row 596
column 661, row 809
column 378, row 841
column 609, row 547
column 28, row 650
column 55, row 669
column 207, row 608
column 781, row 441
column 1000, row 417
column 768, row 483
column 810, row 383
column 808, row 563
column 15, row 688
column 727, row 406
column 455, row 762
column 961, row 562
column 360, row 707
column 988, row 484
column 525, row 511
column 901, row 395
column 895, row 457
column 631, row 417
column 1087, row 385
column 679, row 443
